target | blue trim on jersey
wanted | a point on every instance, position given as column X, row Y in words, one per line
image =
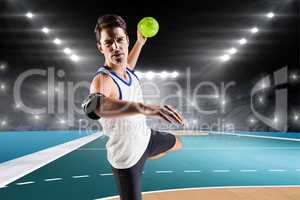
column 95, row 74
column 121, row 79
column 98, row 71
column 120, row 91
column 132, row 71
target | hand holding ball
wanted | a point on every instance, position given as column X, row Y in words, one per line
column 148, row 27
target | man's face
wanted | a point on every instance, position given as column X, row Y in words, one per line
column 114, row 45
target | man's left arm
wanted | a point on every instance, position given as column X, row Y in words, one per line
column 136, row 50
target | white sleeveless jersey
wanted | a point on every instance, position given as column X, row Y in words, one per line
column 128, row 136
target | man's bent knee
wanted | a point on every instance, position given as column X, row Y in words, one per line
column 177, row 145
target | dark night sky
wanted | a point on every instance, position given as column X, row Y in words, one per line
column 192, row 34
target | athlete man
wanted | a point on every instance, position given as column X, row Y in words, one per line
column 116, row 101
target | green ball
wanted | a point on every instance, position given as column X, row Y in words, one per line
column 148, row 26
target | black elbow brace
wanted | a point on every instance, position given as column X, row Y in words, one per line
column 91, row 103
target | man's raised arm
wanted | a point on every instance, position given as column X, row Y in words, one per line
column 136, row 50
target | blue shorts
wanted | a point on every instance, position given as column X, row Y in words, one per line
column 129, row 180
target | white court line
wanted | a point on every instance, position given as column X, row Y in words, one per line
column 25, row 183
column 52, row 179
column 248, row 170
column 161, row 172
column 192, row 171
column 258, row 136
column 207, row 188
column 241, row 148
column 108, row 174
column 276, row 170
column 82, row 176
column 91, row 149
column 203, row 148
column 12, row 170
column 221, row 171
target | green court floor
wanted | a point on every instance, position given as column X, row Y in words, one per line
column 204, row 161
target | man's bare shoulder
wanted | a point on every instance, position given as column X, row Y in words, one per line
column 99, row 78
column 104, row 84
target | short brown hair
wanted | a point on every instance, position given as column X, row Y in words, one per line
column 109, row 21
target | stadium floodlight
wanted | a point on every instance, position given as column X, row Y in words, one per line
column 294, row 76
column 252, row 121
column 223, row 102
column 45, row 30
column 175, row 74
column 2, row 67
column 164, row 74
column 3, row 123
column 57, row 41
column 270, row 15
column 67, row 51
column 150, row 75
column 243, row 41
column 44, row 92
column 233, row 51
column 74, row 58
column 225, row 58
column 254, row 30
column 260, row 99
column 29, row 15
column 2, row 86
